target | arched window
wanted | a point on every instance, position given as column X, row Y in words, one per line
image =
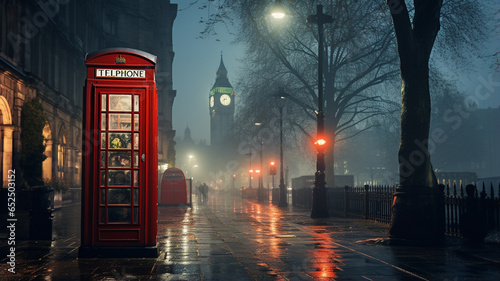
column 78, row 161
column 6, row 140
column 62, row 154
column 47, row 164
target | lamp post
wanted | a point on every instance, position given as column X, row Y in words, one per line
column 265, row 197
column 319, row 205
column 250, row 172
column 234, row 178
column 249, row 154
column 283, row 192
column 260, row 191
column 272, row 172
column 189, row 169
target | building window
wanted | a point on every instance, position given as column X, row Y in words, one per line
column 109, row 24
column 11, row 33
column 62, row 158
column 6, row 141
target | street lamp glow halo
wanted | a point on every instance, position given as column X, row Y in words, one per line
column 278, row 14
column 278, row 10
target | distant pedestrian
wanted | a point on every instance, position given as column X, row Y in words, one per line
column 199, row 193
column 205, row 192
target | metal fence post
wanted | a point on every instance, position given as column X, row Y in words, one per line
column 367, row 203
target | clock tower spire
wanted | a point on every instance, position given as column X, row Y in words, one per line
column 221, row 106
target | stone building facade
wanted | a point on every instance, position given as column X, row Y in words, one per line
column 42, row 50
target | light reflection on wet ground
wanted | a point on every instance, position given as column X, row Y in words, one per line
column 233, row 239
column 285, row 249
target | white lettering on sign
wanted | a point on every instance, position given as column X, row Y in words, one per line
column 121, row 73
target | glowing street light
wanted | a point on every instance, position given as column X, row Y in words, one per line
column 319, row 205
column 320, row 143
column 278, row 11
column 250, row 178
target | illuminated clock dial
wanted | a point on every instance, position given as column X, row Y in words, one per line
column 225, row 100
column 212, row 101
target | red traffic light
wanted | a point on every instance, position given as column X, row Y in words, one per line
column 272, row 168
column 320, row 142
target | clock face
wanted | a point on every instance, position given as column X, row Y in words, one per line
column 212, row 101
column 225, row 100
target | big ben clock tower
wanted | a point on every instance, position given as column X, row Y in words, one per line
column 221, row 106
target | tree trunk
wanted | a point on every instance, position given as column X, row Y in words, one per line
column 418, row 207
column 417, row 211
column 414, row 160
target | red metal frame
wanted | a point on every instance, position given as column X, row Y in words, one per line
column 111, row 221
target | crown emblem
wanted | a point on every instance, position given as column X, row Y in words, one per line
column 120, row 59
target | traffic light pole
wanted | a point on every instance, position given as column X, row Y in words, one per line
column 319, row 204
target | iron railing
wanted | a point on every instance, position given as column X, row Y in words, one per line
column 368, row 202
column 474, row 213
column 470, row 213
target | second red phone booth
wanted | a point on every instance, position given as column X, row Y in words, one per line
column 173, row 187
column 119, row 200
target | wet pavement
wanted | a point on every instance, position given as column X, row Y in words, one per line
column 230, row 238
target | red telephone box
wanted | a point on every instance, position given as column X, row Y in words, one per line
column 173, row 187
column 119, row 200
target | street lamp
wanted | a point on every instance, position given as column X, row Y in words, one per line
column 319, row 205
column 283, row 192
column 190, row 165
column 249, row 154
column 272, row 172
column 278, row 11
column 250, row 172
column 260, row 195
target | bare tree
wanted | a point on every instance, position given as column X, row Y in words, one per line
column 360, row 55
column 358, row 58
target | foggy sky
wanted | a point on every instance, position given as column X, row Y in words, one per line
column 195, row 65
column 196, row 61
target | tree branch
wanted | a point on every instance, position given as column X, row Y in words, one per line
column 402, row 28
